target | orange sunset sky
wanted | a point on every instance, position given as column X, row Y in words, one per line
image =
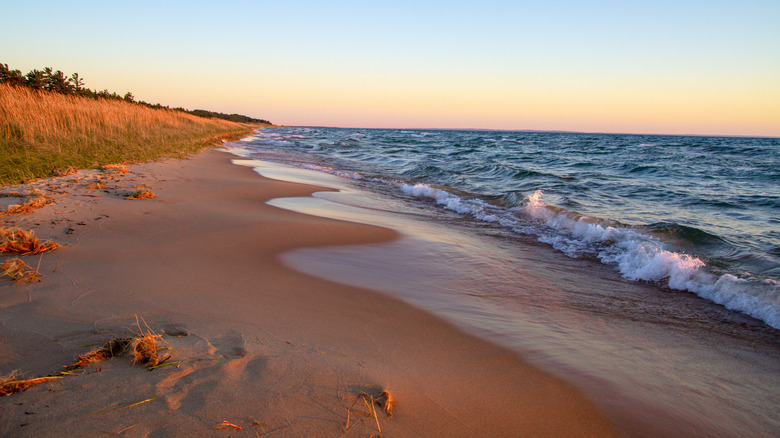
column 675, row 67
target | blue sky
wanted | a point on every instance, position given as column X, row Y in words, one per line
column 666, row 67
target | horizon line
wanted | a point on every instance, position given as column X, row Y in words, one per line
column 547, row 131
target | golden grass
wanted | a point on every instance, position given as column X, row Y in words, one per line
column 10, row 385
column 19, row 271
column 23, row 242
column 142, row 348
column 42, row 131
column 112, row 348
column 226, row 423
column 35, row 199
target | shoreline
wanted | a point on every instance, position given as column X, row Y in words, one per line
column 262, row 347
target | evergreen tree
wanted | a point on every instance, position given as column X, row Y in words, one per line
column 56, row 81
column 36, row 80
column 13, row 77
column 77, row 82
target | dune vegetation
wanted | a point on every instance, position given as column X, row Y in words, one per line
column 43, row 132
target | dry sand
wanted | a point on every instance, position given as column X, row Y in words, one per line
column 270, row 350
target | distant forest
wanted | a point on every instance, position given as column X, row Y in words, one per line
column 56, row 81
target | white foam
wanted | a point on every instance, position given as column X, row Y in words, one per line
column 472, row 207
column 642, row 257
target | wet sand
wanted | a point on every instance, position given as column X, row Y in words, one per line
column 263, row 347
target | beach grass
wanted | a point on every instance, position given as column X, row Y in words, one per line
column 15, row 241
column 42, row 133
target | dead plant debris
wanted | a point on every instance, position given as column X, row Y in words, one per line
column 140, row 194
column 64, row 171
column 112, row 348
column 34, row 199
column 23, row 242
column 226, row 423
column 114, row 168
column 125, row 407
column 142, row 348
column 19, row 271
column 10, row 385
column 385, row 401
column 96, row 185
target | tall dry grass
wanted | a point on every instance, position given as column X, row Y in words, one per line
column 43, row 131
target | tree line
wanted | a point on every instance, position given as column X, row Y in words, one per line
column 58, row 82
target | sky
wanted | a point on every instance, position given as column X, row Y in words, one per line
column 672, row 67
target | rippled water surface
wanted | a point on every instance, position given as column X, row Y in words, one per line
column 700, row 214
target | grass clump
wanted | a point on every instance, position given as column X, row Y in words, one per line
column 19, row 271
column 42, row 131
column 114, row 347
column 23, row 242
column 142, row 349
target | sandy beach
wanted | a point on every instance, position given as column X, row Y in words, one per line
column 252, row 343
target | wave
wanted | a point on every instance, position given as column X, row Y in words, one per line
column 639, row 256
column 683, row 235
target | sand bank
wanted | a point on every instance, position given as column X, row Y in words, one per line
column 262, row 347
